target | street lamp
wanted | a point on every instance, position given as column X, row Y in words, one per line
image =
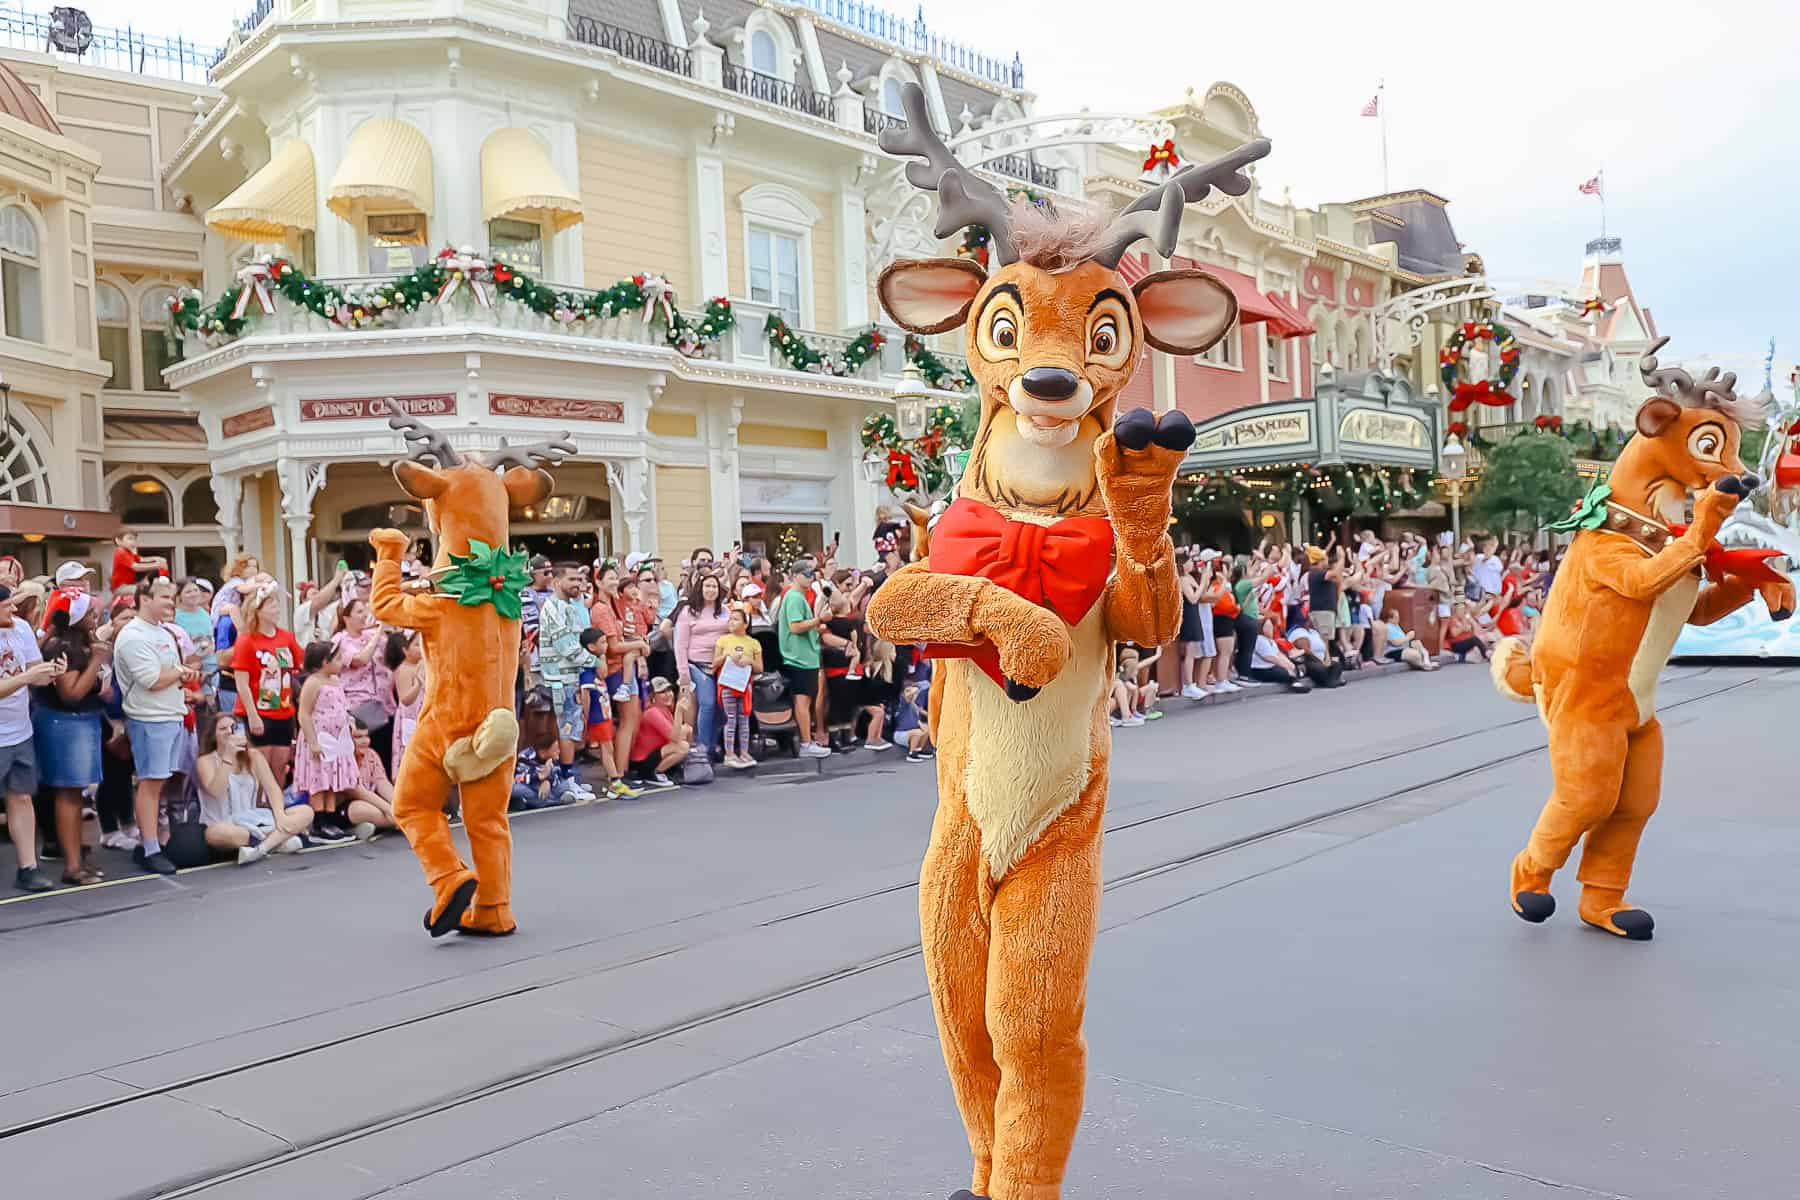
column 5, row 419
column 912, row 404
column 1455, row 461
column 874, row 467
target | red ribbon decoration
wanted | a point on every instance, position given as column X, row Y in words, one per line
column 1164, row 153
column 900, row 470
column 1062, row 566
column 1749, row 565
column 1484, row 393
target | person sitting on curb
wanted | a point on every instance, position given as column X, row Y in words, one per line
column 1133, row 700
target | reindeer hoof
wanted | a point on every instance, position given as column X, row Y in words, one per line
column 1174, row 431
column 1536, row 907
column 1134, row 429
column 1781, row 614
column 1020, row 692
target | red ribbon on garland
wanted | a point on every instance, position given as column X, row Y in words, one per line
column 1164, row 153
column 900, row 470
column 1478, row 393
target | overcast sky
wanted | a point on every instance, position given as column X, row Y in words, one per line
column 1689, row 107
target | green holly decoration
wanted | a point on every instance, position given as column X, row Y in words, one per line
column 488, row 575
column 1589, row 513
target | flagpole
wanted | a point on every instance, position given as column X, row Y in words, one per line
column 1603, row 202
column 1381, row 94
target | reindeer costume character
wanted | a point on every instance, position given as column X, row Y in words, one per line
column 1631, row 580
column 1056, row 548
column 467, row 734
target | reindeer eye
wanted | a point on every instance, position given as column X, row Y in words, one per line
column 1706, row 443
column 1004, row 333
column 1106, row 338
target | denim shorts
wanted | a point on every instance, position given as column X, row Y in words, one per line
column 156, row 747
column 571, row 715
column 68, row 747
column 18, row 769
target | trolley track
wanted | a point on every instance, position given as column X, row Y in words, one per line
column 593, row 1053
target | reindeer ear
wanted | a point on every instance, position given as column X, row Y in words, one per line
column 929, row 295
column 526, row 486
column 1184, row 311
column 1656, row 414
column 419, row 481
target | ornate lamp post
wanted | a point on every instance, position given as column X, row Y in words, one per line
column 1455, row 463
column 912, row 404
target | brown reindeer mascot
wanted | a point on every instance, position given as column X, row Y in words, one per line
column 1056, row 548
column 467, row 733
column 1632, row 579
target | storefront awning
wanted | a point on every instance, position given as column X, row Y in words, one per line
column 1292, row 323
column 519, row 180
column 271, row 204
column 386, row 166
column 1253, row 306
column 35, row 522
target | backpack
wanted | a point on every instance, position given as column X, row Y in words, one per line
column 697, row 768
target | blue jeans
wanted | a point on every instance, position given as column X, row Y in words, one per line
column 706, row 712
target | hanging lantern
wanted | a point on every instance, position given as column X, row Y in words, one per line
column 874, row 467
column 912, row 403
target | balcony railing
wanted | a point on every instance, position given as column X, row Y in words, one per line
column 1018, row 166
column 916, row 35
column 116, row 49
column 245, row 26
column 874, row 121
column 771, row 90
column 650, row 51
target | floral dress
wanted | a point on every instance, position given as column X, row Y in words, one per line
column 335, row 768
column 406, row 719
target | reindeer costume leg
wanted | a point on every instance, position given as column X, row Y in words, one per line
column 1056, row 546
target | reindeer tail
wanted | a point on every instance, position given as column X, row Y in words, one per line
column 483, row 752
column 1511, row 668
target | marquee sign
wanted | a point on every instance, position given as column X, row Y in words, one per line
column 1376, row 427
column 238, row 424
column 556, row 408
column 1259, row 433
column 364, row 408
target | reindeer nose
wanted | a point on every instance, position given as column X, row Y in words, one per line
column 1050, row 383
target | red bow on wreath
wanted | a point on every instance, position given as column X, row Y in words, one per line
column 1164, row 153
column 1484, row 393
column 900, row 470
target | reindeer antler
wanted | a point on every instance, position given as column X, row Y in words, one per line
column 1157, row 214
column 1711, row 390
column 428, row 444
column 963, row 198
column 551, row 453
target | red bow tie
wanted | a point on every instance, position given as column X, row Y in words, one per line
column 1062, row 566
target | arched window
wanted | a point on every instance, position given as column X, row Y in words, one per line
column 23, row 478
column 153, row 337
column 141, row 500
column 113, row 315
column 21, row 293
column 198, row 505
column 890, row 98
column 763, row 53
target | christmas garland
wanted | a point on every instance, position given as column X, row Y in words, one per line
column 439, row 282
column 802, row 357
column 1484, row 391
column 937, row 373
column 1342, row 488
column 918, row 464
column 1600, row 445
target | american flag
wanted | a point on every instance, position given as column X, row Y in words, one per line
column 1373, row 107
column 1591, row 187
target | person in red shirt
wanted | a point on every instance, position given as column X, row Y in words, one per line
column 264, row 660
column 662, row 738
column 128, row 566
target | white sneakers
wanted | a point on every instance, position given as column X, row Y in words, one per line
column 1220, row 689
column 118, row 839
column 814, row 750
column 1193, row 691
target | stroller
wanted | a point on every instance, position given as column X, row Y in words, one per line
column 772, row 710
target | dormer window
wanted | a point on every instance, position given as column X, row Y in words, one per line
column 763, row 54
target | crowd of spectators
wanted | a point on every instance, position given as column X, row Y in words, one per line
column 192, row 720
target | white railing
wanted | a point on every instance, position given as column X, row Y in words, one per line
column 117, row 49
column 916, row 35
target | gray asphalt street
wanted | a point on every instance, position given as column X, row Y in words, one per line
column 1308, row 984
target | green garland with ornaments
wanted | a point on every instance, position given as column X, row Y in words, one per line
column 1598, row 444
column 1348, row 488
column 798, row 354
column 917, row 464
column 937, row 374
column 452, row 274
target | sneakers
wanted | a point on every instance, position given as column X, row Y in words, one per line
column 624, row 692
column 118, row 839
column 1227, row 686
column 249, row 854
column 814, row 750
column 739, row 762
column 1193, row 691
column 30, row 879
column 1244, row 681
column 1155, row 714
column 919, row 756
column 292, row 844
column 659, row 780
column 329, row 834
column 158, row 863
column 364, row 831
column 1133, row 721
column 878, row 746
column 623, row 790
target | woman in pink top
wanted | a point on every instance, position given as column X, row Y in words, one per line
column 699, row 623
column 359, row 639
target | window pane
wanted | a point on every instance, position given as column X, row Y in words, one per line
column 787, row 274
column 24, row 301
column 155, row 348
column 396, row 242
column 890, row 98
column 518, row 244
column 153, row 308
column 109, row 305
column 762, row 53
column 17, row 234
column 761, row 282
column 115, row 348
column 141, row 500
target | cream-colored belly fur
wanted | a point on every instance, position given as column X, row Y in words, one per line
column 1667, row 616
column 1028, row 762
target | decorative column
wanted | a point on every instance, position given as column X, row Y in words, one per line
column 852, row 248
column 300, row 482
column 846, row 104
column 723, row 418
column 228, row 495
column 629, row 479
column 711, row 233
column 709, row 59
